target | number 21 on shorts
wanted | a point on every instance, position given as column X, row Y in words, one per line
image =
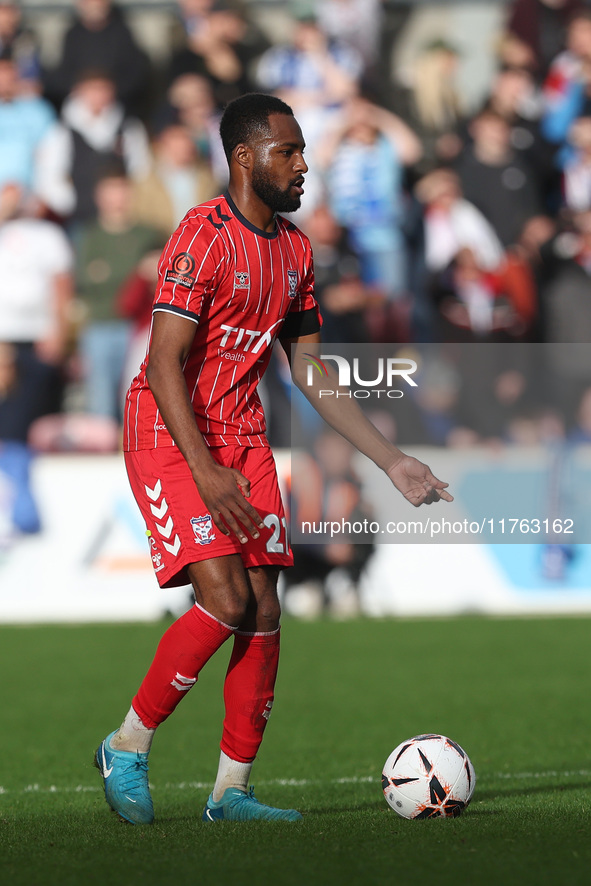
column 279, row 528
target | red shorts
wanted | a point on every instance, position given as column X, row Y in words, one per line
column 180, row 529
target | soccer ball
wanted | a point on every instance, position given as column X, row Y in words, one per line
column 428, row 776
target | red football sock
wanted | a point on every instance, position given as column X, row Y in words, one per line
column 184, row 649
column 248, row 693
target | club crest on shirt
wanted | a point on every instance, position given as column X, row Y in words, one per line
column 203, row 529
column 241, row 280
column 292, row 277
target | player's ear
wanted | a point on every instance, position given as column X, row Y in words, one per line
column 243, row 155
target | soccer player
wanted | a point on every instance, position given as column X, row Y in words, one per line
column 234, row 277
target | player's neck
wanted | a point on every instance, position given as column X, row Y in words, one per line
column 252, row 207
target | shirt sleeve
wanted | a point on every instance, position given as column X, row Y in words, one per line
column 187, row 269
column 304, row 316
column 302, row 323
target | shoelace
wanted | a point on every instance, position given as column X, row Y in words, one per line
column 135, row 774
column 249, row 796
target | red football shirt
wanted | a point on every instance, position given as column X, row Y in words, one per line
column 237, row 284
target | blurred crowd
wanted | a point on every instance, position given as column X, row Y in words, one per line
column 432, row 218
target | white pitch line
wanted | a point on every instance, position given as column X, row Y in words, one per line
column 551, row 773
column 285, row 782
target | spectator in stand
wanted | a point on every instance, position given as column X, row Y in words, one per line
column 193, row 13
column 364, row 157
column 577, row 168
column 566, row 88
column 21, row 402
column 432, row 105
column 20, row 44
column 451, row 223
column 566, row 292
column 24, row 120
column 356, row 22
column 498, row 182
column 100, row 38
column 498, row 387
column 481, row 305
column 93, row 134
column 516, row 98
column 313, row 73
column 179, row 179
column 541, row 26
column 35, row 292
column 190, row 96
column 325, row 575
column 475, row 285
column 341, row 293
column 109, row 249
column 532, row 249
column 218, row 48
column 22, row 395
column 134, row 303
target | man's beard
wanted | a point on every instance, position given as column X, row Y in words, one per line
column 276, row 199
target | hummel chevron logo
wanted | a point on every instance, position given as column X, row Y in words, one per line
column 174, row 547
column 159, row 512
column 165, row 530
column 183, row 684
column 106, row 770
column 154, row 494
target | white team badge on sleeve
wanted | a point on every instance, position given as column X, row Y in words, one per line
column 203, row 529
column 292, row 277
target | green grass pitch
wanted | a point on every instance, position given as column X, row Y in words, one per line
column 514, row 693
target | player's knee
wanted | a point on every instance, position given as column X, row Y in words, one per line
column 228, row 606
column 268, row 613
column 233, row 613
column 265, row 601
column 231, row 606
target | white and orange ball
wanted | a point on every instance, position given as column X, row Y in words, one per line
column 428, row 776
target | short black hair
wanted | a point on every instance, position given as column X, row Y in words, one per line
column 247, row 117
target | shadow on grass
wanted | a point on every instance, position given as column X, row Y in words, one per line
column 474, row 810
column 373, row 805
column 306, row 812
column 376, row 806
column 368, row 807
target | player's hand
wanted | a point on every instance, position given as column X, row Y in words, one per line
column 224, row 492
column 416, row 482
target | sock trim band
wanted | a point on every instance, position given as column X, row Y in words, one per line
column 219, row 621
column 257, row 633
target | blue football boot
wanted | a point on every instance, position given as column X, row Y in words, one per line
column 237, row 805
column 125, row 776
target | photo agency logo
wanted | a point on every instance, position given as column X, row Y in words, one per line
column 388, row 373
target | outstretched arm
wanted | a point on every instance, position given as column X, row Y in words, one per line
column 360, row 111
column 409, row 475
column 223, row 490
